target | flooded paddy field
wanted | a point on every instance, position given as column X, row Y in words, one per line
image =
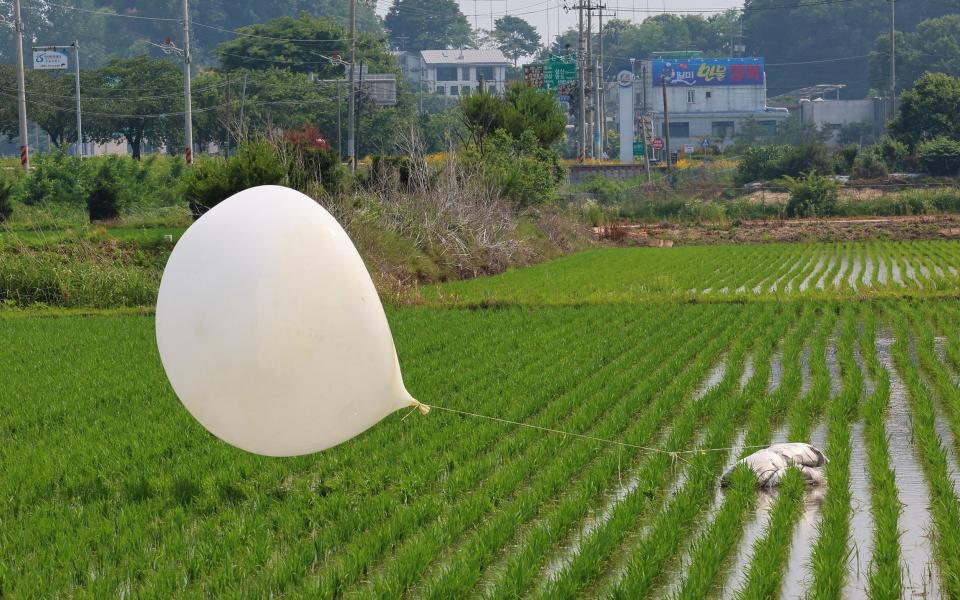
column 640, row 395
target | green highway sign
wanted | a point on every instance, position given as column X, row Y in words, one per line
column 638, row 149
column 557, row 73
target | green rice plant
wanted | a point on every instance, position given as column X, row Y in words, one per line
column 945, row 507
column 668, row 531
column 884, row 576
column 409, row 563
column 830, row 552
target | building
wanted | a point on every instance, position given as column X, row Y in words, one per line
column 455, row 72
column 706, row 98
column 832, row 115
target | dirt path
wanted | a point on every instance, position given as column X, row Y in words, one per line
column 924, row 227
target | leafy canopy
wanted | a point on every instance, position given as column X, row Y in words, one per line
column 515, row 37
column 416, row 25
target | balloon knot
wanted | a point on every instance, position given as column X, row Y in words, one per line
column 423, row 408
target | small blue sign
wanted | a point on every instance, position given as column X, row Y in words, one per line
column 705, row 143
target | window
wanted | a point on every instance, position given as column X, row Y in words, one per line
column 465, row 74
column 446, row 73
column 466, row 90
column 680, row 130
column 707, row 94
column 454, row 90
column 768, row 127
column 691, row 96
column 441, row 90
column 485, row 73
column 722, row 129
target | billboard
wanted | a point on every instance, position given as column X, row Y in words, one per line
column 708, row 71
column 49, row 58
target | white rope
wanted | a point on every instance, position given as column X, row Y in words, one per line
column 424, row 409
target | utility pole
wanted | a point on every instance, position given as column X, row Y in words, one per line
column 666, row 122
column 21, row 90
column 893, row 59
column 352, row 115
column 602, row 86
column 582, row 121
column 187, row 98
column 591, row 116
column 597, row 123
column 227, row 114
column 76, row 71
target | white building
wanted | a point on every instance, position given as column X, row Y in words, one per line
column 832, row 115
column 455, row 72
column 706, row 98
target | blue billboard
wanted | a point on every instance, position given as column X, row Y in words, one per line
column 708, row 71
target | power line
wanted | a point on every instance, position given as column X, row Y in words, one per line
column 109, row 14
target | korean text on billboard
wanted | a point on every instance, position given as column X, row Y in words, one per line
column 708, row 71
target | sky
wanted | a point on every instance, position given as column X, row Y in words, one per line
column 549, row 17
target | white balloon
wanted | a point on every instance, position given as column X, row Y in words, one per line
column 270, row 329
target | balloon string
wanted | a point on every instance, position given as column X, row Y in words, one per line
column 672, row 453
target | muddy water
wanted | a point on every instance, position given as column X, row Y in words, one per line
column 747, row 372
column 911, row 272
column 712, row 380
column 776, row 370
column 805, row 381
column 920, row 575
column 867, row 279
column 627, row 485
column 816, row 269
column 675, row 576
column 938, row 270
column 797, row 575
column 754, row 531
column 881, row 271
column 776, row 283
column 821, row 283
column 854, row 272
column 844, row 265
column 895, row 269
column 833, row 366
column 861, row 521
column 953, row 271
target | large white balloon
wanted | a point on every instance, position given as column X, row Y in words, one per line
column 270, row 329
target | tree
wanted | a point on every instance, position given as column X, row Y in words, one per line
column 271, row 45
column 131, row 99
column 515, row 37
column 929, row 110
column 522, row 109
column 528, row 109
column 934, row 46
column 416, row 25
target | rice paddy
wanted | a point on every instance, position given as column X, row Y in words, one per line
column 109, row 488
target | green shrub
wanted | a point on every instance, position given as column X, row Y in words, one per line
column 604, row 190
column 812, row 195
column 808, row 157
column 940, row 156
column 762, row 163
column 6, row 198
column 891, row 152
column 845, row 157
column 869, row 165
column 56, row 178
column 524, row 172
column 103, row 200
column 213, row 180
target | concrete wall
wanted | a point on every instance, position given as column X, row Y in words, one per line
column 834, row 114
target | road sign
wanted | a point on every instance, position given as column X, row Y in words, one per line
column 639, row 149
column 658, row 143
column 688, row 148
column 49, row 58
column 557, row 73
column 705, row 143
